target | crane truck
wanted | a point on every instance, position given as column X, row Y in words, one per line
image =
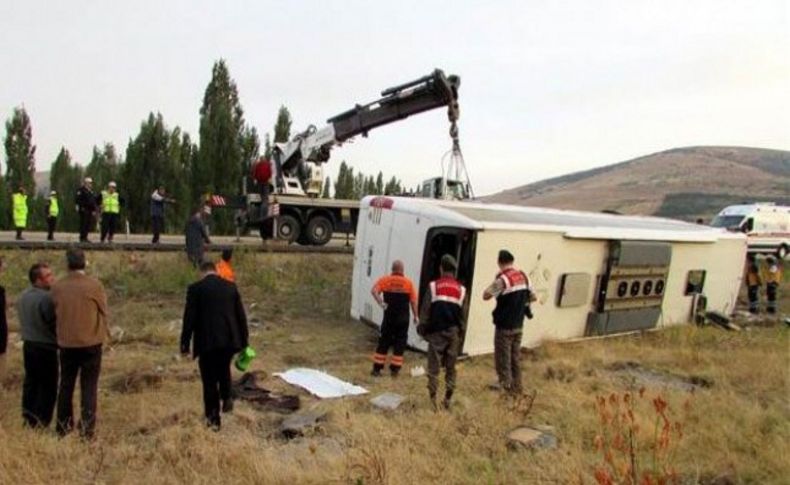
column 289, row 208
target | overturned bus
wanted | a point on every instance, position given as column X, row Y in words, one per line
column 594, row 274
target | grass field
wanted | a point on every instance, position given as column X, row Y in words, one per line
column 607, row 408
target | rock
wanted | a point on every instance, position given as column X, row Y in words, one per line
column 297, row 339
column 174, row 325
column 389, row 401
column 254, row 321
column 301, row 423
column 532, row 437
column 253, row 305
column 117, row 333
column 417, row 371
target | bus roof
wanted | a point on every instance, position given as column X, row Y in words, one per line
column 573, row 224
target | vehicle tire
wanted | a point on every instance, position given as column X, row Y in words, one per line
column 781, row 253
column 319, row 230
column 288, row 228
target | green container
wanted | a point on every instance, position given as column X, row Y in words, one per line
column 244, row 358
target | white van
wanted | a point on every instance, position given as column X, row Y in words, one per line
column 593, row 274
column 766, row 225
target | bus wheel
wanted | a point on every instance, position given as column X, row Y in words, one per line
column 781, row 253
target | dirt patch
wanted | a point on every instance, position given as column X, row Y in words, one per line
column 135, row 382
column 638, row 376
column 560, row 373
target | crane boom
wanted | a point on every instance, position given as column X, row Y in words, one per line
column 396, row 103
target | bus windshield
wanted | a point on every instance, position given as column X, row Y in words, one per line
column 728, row 222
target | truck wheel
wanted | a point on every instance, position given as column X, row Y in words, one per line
column 288, row 228
column 781, row 253
column 319, row 230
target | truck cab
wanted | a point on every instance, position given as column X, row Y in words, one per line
column 444, row 189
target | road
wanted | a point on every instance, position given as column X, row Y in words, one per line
column 170, row 242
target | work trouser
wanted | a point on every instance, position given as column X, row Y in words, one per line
column 51, row 222
column 157, row 226
column 85, row 361
column 109, row 221
column 215, row 375
column 443, row 348
column 754, row 298
column 394, row 334
column 507, row 358
column 19, row 230
column 40, row 387
column 771, row 297
column 86, row 219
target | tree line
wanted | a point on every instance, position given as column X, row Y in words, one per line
column 159, row 155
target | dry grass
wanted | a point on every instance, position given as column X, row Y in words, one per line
column 151, row 432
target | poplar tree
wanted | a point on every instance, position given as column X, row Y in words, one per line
column 20, row 153
column 65, row 178
column 282, row 127
column 327, row 188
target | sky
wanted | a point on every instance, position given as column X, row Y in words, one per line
column 547, row 87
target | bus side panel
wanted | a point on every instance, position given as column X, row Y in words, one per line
column 544, row 257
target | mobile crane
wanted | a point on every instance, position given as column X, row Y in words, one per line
column 288, row 206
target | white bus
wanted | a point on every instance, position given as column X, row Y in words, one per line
column 766, row 225
column 593, row 274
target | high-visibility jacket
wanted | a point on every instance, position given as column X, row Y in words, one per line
column 110, row 203
column 447, row 301
column 509, row 311
column 54, row 208
column 20, row 210
column 398, row 292
column 773, row 275
column 225, row 271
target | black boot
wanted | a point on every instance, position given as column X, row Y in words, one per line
column 448, row 395
column 432, row 397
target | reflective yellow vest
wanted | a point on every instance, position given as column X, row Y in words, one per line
column 110, row 203
column 20, row 210
column 54, row 208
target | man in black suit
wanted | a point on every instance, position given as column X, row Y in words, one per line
column 215, row 316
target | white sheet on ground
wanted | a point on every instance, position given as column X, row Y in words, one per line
column 320, row 384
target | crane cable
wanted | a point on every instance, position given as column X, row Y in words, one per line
column 455, row 162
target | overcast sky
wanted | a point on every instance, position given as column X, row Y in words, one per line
column 548, row 87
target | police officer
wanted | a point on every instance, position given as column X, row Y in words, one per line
column 110, row 211
column 53, row 210
column 395, row 294
column 19, row 200
column 511, row 290
column 86, row 207
column 441, row 322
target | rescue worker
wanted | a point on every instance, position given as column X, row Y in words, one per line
column 753, row 283
column 511, row 290
column 53, row 210
column 158, row 200
column 394, row 293
column 224, row 268
column 19, row 200
column 86, row 207
column 441, row 323
column 262, row 174
column 110, row 203
column 773, row 276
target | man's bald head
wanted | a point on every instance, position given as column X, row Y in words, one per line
column 397, row 266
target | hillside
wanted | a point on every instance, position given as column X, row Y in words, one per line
column 683, row 182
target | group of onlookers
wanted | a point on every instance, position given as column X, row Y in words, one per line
column 63, row 325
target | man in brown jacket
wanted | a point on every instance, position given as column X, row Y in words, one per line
column 81, row 323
